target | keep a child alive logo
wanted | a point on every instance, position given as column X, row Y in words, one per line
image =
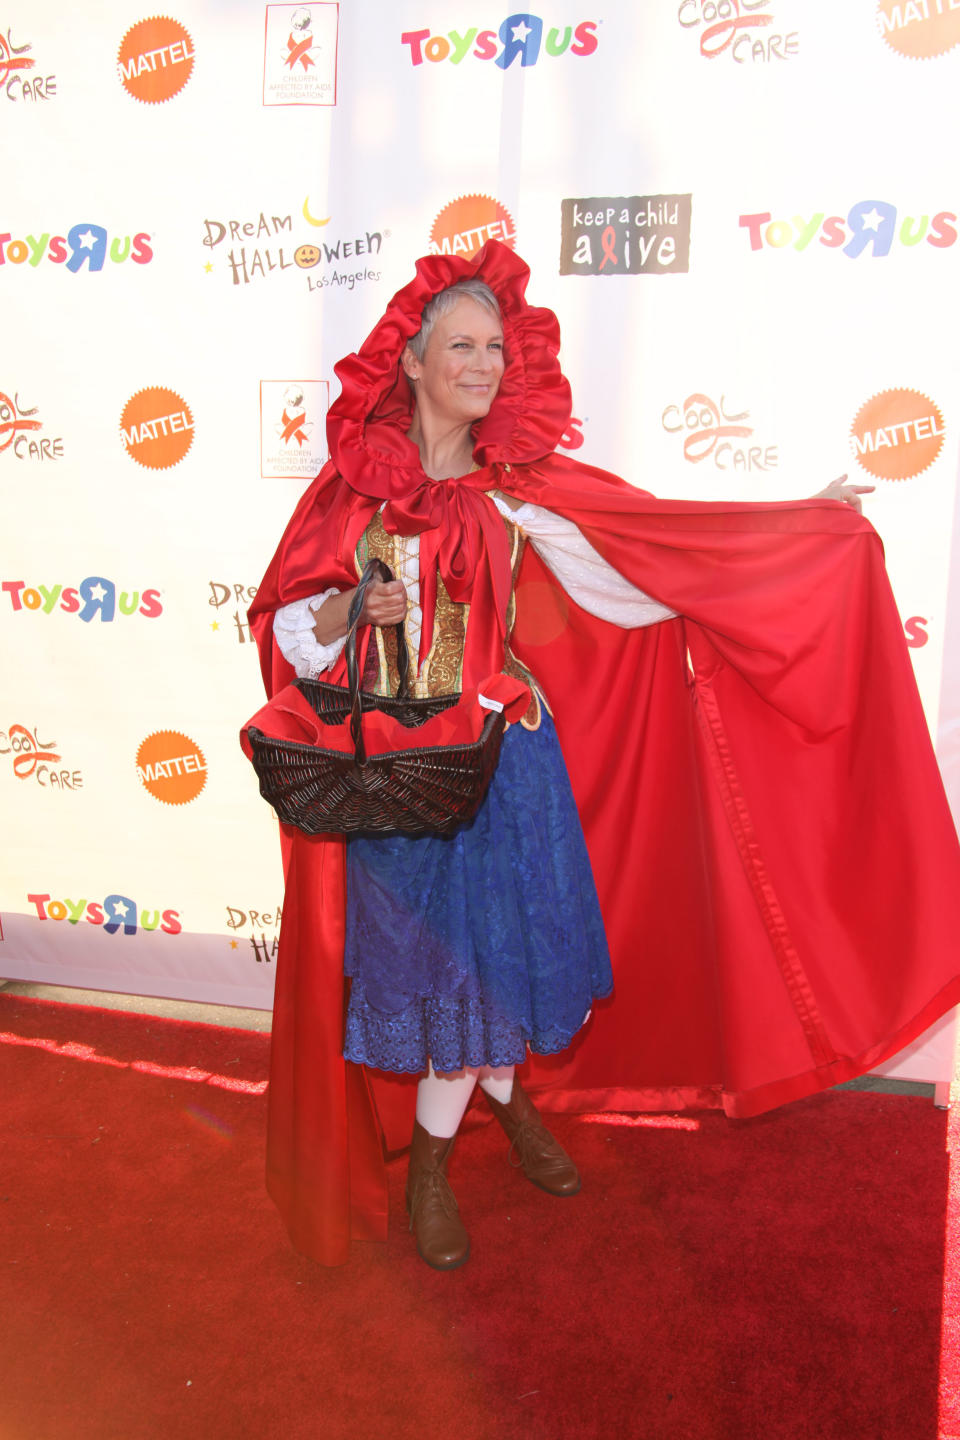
column 625, row 235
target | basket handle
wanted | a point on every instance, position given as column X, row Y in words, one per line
column 373, row 570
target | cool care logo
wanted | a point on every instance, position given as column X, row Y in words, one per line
column 83, row 244
column 116, row 913
column 521, row 37
column 714, row 431
column 18, row 427
column 17, row 84
column 94, row 596
column 870, row 226
column 739, row 29
column 34, row 759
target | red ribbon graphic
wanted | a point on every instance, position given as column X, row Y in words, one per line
column 291, row 428
column 607, row 240
column 298, row 51
column 10, row 422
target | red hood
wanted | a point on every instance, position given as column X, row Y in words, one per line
column 367, row 426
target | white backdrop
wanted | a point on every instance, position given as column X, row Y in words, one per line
column 741, row 210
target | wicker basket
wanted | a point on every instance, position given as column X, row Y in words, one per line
column 413, row 791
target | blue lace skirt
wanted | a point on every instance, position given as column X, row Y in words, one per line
column 470, row 948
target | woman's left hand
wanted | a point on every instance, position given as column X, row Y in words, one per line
column 848, row 494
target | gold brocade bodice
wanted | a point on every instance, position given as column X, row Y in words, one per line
column 442, row 670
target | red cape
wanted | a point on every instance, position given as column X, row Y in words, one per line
column 775, row 858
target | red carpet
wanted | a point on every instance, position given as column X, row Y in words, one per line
column 778, row 1278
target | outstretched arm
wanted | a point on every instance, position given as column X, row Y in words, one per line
column 848, row 494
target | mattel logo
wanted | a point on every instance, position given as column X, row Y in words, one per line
column 625, row 235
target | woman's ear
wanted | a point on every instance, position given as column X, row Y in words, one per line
column 410, row 363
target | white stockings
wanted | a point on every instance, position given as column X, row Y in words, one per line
column 442, row 1099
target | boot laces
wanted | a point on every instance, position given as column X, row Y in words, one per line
column 434, row 1186
column 531, row 1142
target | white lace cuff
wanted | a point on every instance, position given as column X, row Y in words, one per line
column 293, row 630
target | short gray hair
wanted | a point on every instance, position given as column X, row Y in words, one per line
column 444, row 302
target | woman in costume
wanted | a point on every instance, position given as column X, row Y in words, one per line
column 465, row 953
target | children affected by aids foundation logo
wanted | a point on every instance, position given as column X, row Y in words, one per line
column 19, row 426
column 870, row 227
column 94, row 597
column 919, row 29
column 739, row 29
column 37, row 760
column 466, row 224
column 293, row 428
column 171, row 767
column 717, row 431
column 155, row 59
column 16, row 81
column 84, row 244
column 320, row 256
column 300, row 54
column 156, row 427
column 625, row 235
column 897, row 434
column 520, row 37
column 116, row 913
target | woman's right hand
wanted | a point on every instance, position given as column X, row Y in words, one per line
column 385, row 603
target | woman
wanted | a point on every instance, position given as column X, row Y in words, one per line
column 747, row 979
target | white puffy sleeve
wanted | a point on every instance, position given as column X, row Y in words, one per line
column 582, row 571
column 293, row 632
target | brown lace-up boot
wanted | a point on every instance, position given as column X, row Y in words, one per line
column 542, row 1159
column 434, row 1217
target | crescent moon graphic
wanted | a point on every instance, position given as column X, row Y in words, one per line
column 308, row 217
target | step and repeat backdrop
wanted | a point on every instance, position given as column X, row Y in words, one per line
column 744, row 212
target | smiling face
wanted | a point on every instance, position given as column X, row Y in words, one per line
column 459, row 376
